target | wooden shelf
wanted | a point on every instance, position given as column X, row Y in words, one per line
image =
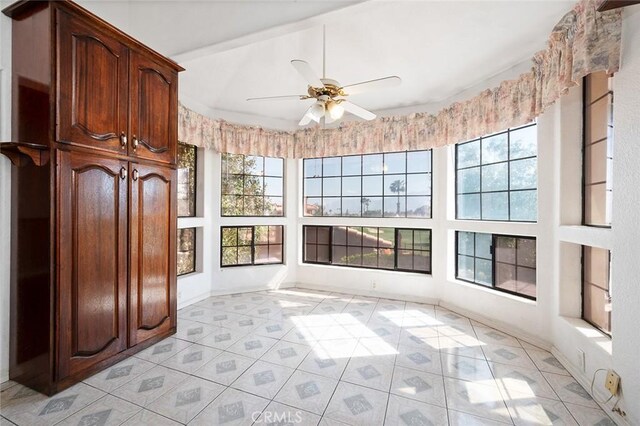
column 20, row 153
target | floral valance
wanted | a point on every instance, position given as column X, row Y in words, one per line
column 583, row 42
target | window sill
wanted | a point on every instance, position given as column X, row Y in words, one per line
column 360, row 270
column 191, row 222
column 189, row 275
column 489, row 290
column 586, row 235
column 590, row 333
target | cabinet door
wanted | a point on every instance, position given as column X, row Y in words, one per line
column 154, row 113
column 153, row 226
column 92, row 96
column 92, row 260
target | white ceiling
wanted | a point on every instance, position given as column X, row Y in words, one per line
column 238, row 49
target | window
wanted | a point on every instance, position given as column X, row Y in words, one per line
column 369, row 247
column 251, row 245
column 186, row 250
column 598, row 149
column 392, row 184
column 252, row 185
column 596, row 288
column 187, row 157
column 496, row 176
column 505, row 263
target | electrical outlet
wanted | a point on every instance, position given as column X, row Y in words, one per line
column 373, row 285
column 581, row 360
column 612, row 382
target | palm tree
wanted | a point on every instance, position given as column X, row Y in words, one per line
column 397, row 186
column 365, row 203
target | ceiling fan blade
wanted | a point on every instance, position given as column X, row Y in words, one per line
column 305, row 120
column 365, row 86
column 280, row 98
column 307, row 73
column 356, row 110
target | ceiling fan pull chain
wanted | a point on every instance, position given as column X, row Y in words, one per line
column 324, row 51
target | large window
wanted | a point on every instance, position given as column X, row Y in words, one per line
column 252, row 185
column 397, row 249
column 505, row 263
column 496, row 176
column 598, row 149
column 186, row 250
column 187, row 158
column 251, row 245
column 394, row 184
column 596, row 287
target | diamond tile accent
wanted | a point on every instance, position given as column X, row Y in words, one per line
column 95, row 419
column 273, row 328
column 368, row 372
column 245, row 323
column 357, row 404
column 552, row 361
column 519, row 376
column 465, row 367
column 506, row 354
column 496, row 335
column 161, row 349
column 220, row 317
column 417, row 383
column 197, row 313
column 382, row 332
column 58, row 404
column 578, row 390
column 264, row 311
column 226, row 366
column 419, row 358
column 194, row 331
column 23, row 393
column 605, row 422
column 287, row 353
column 222, row 337
column 230, row 412
column 551, row 415
column 328, row 309
column 264, row 377
column 415, row 418
column 324, row 363
column 356, row 313
column 308, row 389
column 239, row 307
column 192, row 357
column 252, row 344
column 151, row 383
column 116, row 372
column 217, row 303
column 188, row 397
column 452, row 316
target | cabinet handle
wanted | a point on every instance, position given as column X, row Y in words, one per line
column 134, row 142
column 123, row 173
column 123, row 140
column 134, row 175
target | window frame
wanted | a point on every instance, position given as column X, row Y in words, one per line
column 284, row 186
column 195, row 177
column 252, row 245
column 493, row 262
column 395, row 248
column 361, row 175
column 608, row 333
column 195, row 252
column 508, row 161
column 585, row 106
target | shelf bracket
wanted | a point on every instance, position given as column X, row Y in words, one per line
column 21, row 153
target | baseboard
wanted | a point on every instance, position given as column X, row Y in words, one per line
column 227, row 291
column 371, row 293
column 598, row 394
column 4, row 375
column 499, row 325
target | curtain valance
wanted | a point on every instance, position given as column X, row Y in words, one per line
column 583, row 42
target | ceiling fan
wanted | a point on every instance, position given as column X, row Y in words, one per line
column 330, row 96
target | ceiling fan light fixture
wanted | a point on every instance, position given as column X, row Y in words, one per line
column 335, row 110
column 316, row 112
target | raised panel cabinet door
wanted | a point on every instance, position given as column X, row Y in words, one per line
column 92, row 97
column 153, row 224
column 92, row 260
column 154, row 113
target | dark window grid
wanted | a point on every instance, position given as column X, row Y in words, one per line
column 508, row 161
column 493, row 272
column 362, row 247
column 195, row 179
column 516, row 265
column 252, row 245
column 585, row 107
column 362, row 175
column 331, row 245
column 269, row 244
column 243, row 195
column 304, row 244
column 413, row 250
column 608, row 289
column 193, row 269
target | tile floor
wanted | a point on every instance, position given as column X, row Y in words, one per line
column 308, row 357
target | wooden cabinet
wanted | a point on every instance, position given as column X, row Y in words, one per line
column 94, row 187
